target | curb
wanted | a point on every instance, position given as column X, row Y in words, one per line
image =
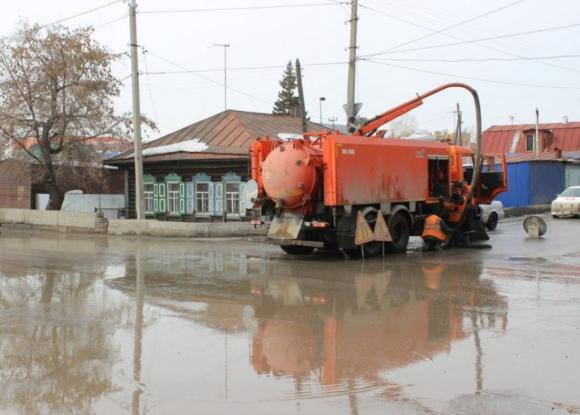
column 526, row 210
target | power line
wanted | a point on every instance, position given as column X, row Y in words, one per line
column 418, row 7
column 530, row 58
column 94, row 9
column 118, row 19
column 83, row 13
column 243, row 68
column 277, row 67
column 186, row 70
column 483, row 39
column 228, row 9
column 144, row 52
column 440, row 31
column 472, row 77
column 473, row 41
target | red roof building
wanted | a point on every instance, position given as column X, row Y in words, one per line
column 557, row 140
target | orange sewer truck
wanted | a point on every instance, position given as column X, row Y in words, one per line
column 315, row 186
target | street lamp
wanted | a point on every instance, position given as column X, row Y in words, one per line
column 320, row 102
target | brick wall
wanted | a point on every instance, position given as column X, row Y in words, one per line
column 15, row 184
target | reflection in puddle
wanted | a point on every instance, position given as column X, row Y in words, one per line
column 342, row 328
column 364, row 326
column 150, row 330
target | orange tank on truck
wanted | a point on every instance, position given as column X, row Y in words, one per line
column 313, row 188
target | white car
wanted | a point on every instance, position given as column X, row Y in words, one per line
column 567, row 203
column 491, row 214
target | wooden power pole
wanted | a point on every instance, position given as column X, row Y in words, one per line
column 301, row 95
column 139, row 191
column 351, row 108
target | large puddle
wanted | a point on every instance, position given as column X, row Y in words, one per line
column 168, row 328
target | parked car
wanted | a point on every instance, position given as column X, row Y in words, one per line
column 491, row 214
column 567, row 203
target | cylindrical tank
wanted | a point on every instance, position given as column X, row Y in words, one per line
column 289, row 173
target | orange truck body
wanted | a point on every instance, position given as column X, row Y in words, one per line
column 366, row 170
column 314, row 187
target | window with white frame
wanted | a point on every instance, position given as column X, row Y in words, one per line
column 202, row 197
column 232, row 196
column 149, row 197
column 173, row 197
column 530, row 142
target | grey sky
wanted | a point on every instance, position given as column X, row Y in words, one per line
column 319, row 35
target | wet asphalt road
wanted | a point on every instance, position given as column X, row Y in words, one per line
column 115, row 326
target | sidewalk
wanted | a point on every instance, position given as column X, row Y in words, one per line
column 71, row 222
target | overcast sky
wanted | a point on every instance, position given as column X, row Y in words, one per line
column 508, row 81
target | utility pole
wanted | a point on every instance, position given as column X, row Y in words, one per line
column 301, row 95
column 139, row 193
column 225, row 46
column 458, row 133
column 322, row 99
column 351, row 108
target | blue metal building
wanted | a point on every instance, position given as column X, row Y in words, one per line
column 535, row 182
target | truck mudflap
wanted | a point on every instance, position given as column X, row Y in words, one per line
column 286, row 226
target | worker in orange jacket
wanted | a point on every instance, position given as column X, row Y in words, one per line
column 455, row 209
column 435, row 232
column 456, row 205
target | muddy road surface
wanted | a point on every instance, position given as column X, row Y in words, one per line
column 102, row 325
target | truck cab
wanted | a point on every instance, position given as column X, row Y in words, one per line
column 491, row 181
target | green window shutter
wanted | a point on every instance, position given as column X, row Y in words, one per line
column 211, row 201
column 182, row 198
column 219, row 198
column 189, row 197
column 155, row 198
column 162, row 198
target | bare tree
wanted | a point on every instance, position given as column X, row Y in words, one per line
column 57, row 89
column 403, row 126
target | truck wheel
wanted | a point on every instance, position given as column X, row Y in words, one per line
column 297, row 250
column 491, row 223
column 400, row 232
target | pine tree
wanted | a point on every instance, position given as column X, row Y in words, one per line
column 287, row 100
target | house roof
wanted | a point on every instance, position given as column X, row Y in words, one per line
column 500, row 139
column 228, row 135
column 105, row 147
column 530, row 156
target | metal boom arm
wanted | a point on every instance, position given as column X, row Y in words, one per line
column 372, row 125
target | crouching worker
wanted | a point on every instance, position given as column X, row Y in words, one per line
column 435, row 232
